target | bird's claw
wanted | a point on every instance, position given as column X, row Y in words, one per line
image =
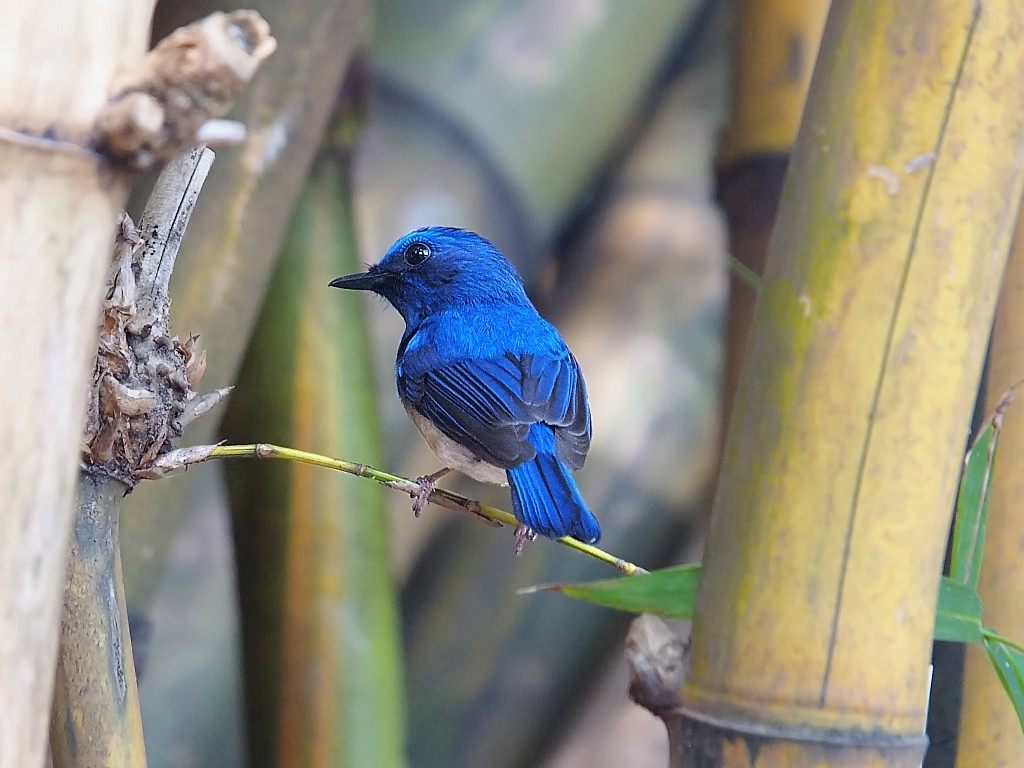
column 524, row 533
column 426, row 488
column 427, row 484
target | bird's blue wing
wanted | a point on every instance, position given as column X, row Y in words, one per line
column 555, row 394
column 488, row 404
column 477, row 403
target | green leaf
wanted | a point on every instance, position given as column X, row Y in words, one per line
column 1009, row 665
column 958, row 617
column 972, row 501
column 972, row 509
column 669, row 592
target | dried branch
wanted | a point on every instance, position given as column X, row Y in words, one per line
column 162, row 225
column 144, row 380
column 191, row 77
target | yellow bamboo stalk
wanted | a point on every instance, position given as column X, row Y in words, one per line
column 58, row 205
column 813, row 629
column 776, row 43
column 990, row 733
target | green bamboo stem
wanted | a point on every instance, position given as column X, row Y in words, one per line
column 320, row 640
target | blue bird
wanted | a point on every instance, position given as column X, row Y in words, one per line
column 489, row 383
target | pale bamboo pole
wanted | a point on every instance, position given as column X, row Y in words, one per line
column 58, row 208
column 990, row 732
column 812, row 637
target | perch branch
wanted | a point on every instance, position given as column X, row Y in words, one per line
column 491, row 515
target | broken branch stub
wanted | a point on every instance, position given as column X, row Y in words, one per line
column 191, row 77
column 657, row 662
column 144, row 381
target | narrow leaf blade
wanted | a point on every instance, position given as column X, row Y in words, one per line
column 973, row 498
column 669, row 592
column 1009, row 666
column 958, row 617
column 972, row 509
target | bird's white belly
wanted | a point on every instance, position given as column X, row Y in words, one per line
column 454, row 455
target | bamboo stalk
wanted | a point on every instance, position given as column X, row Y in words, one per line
column 58, row 207
column 96, row 719
column 812, row 635
column 776, row 43
column 319, row 611
column 990, row 732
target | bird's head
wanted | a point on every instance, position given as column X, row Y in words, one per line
column 439, row 268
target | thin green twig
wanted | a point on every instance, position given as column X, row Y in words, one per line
column 491, row 515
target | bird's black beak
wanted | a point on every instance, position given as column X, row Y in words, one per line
column 363, row 281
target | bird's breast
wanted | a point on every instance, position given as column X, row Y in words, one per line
column 454, row 455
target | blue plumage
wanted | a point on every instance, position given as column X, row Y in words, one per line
column 544, row 495
column 489, row 383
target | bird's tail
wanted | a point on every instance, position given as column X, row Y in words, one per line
column 545, row 496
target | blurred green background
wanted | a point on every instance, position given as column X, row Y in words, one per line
column 578, row 136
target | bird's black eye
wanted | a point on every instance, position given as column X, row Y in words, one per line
column 416, row 253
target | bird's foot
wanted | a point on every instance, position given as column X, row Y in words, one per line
column 524, row 533
column 427, row 484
